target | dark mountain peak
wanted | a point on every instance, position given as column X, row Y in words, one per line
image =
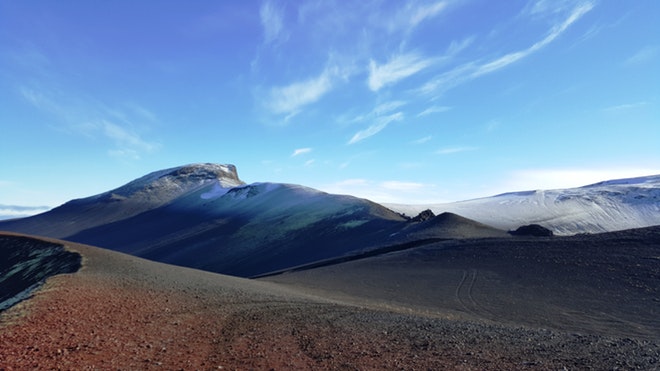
column 423, row 216
column 532, row 230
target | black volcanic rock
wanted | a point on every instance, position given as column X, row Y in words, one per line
column 25, row 263
column 423, row 216
column 532, row 230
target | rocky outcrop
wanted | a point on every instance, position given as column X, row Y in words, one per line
column 532, row 230
column 423, row 216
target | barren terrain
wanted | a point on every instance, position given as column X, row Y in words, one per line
column 122, row 312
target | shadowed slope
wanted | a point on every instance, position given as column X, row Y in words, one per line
column 249, row 230
column 605, row 284
column 25, row 263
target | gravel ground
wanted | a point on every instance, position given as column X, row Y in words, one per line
column 121, row 312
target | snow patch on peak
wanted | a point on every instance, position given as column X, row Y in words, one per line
column 165, row 185
column 217, row 191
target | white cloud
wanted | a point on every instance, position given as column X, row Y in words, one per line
column 125, row 138
column 380, row 124
column 422, row 140
column 387, row 107
column 557, row 30
column 625, row 107
column 473, row 69
column 291, row 98
column 448, row 80
column 433, row 109
column 272, row 20
column 427, row 11
column 300, row 151
column 397, row 68
column 452, row 150
column 91, row 119
column 645, row 55
column 404, row 19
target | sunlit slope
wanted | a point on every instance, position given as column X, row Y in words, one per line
column 601, row 207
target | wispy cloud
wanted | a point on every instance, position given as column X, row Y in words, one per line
column 289, row 99
column 301, row 151
column 397, row 68
column 557, row 30
column 272, row 20
column 387, row 107
column 452, row 150
column 409, row 15
column 125, row 138
column 422, row 140
column 625, row 107
column 475, row 69
column 433, row 109
column 92, row 119
column 379, row 124
column 379, row 110
column 643, row 56
column 427, row 11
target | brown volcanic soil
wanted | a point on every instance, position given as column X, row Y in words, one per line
column 121, row 312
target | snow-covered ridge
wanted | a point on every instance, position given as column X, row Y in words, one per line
column 605, row 206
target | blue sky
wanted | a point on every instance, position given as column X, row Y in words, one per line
column 410, row 102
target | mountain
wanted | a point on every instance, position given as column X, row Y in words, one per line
column 602, row 207
column 204, row 216
column 146, row 193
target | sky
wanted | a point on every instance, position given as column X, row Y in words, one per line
column 394, row 101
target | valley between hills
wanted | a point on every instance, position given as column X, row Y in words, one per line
column 191, row 268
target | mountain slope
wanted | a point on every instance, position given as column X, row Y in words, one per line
column 146, row 193
column 203, row 216
column 250, row 229
column 601, row 207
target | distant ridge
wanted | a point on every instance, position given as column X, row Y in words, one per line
column 605, row 206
